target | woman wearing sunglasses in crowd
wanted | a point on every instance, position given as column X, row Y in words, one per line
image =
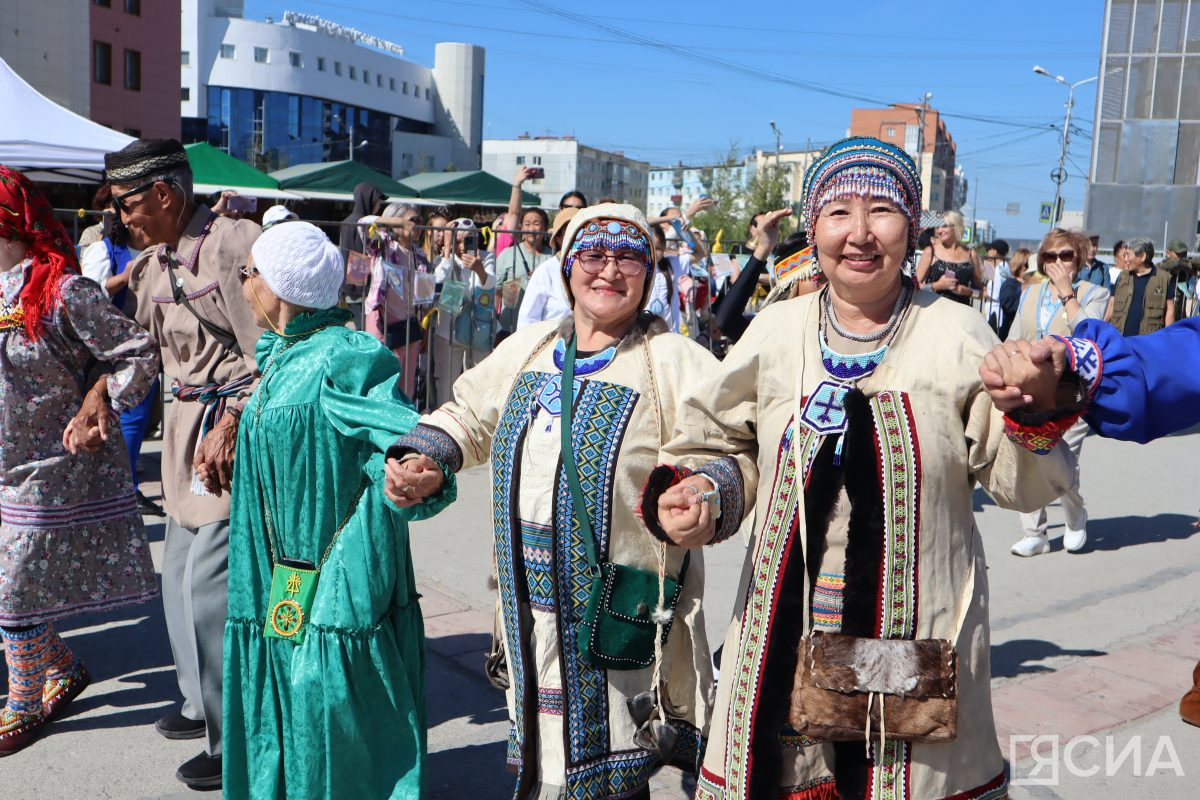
column 1053, row 308
column 606, row 381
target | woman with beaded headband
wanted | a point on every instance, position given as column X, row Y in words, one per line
column 854, row 426
column 573, row 733
column 71, row 539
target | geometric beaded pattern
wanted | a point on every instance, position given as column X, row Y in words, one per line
column 537, row 545
column 900, row 469
column 827, row 602
column 602, row 416
column 506, row 442
column 623, row 774
column 793, row 462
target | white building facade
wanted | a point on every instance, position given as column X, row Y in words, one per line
column 568, row 166
column 304, row 89
column 687, row 182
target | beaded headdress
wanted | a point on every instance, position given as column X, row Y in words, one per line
column 608, row 226
column 608, row 234
column 867, row 167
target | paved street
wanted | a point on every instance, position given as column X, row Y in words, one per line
column 1100, row 643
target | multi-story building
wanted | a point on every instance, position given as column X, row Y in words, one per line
column 1144, row 178
column 682, row 184
column 930, row 144
column 110, row 60
column 568, row 165
column 134, row 58
column 305, row 89
column 47, row 44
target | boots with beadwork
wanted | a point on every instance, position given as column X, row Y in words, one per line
column 22, row 720
column 1189, row 706
column 66, row 677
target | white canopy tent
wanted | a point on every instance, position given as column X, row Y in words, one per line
column 46, row 141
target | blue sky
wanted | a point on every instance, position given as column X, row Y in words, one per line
column 683, row 92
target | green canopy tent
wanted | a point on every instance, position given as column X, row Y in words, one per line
column 473, row 188
column 335, row 180
column 214, row 170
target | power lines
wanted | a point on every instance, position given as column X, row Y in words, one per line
column 690, row 54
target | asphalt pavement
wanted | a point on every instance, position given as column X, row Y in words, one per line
column 1090, row 651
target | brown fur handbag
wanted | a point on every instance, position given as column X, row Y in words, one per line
column 846, row 685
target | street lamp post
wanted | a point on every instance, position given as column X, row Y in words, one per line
column 778, row 143
column 1060, row 175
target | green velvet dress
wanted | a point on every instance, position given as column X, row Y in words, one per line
column 341, row 714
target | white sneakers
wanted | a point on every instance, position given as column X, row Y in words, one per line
column 1074, row 540
column 1036, row 544
column 1032, row 545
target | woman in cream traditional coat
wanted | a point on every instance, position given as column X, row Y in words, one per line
column 852, row 422
column 573, row 734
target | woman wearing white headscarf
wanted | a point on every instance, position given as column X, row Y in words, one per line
column 324, row 662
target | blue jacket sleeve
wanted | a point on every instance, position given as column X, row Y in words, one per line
column 1149, row 385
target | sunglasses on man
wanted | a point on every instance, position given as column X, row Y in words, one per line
column 118, row 201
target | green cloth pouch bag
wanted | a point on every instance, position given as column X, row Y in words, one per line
column 620, row 622
column 290, row 604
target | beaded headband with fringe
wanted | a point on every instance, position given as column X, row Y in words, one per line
column 608, row 234
column 872, row 168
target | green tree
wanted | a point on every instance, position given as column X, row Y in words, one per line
column 727, row 190
column 738, row 196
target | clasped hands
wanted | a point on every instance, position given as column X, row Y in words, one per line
column 412, row 479
column 1019, row 374
column 87, row 431
column 685, row 515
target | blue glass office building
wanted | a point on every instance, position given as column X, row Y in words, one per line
column 273, row 130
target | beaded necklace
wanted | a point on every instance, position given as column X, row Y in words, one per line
column 550, row 398
column 12, row 316
column 824, row 411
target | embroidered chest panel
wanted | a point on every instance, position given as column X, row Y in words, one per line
column 548, row 565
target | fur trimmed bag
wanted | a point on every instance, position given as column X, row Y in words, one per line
column 847, row 684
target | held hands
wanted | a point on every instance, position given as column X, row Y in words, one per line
column 768, row 232
column 1020, row 373
column 684, row 515
column 521, row 176
column 88, row 429
column 214, row 458
column 412, row 480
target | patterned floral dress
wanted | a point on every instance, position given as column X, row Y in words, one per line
column 71, row 539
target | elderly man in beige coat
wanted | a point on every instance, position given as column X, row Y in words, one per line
column 185, row 290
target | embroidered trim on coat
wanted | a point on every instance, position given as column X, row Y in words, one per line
column 726, row 473
column 602, row 416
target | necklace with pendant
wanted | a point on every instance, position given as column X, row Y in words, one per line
column 824, row 411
